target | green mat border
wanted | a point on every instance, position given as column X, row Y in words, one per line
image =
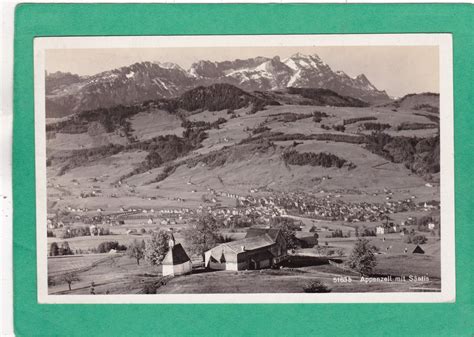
column 33, row 319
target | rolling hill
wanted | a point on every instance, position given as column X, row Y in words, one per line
column 211, row 137
column 427, row 101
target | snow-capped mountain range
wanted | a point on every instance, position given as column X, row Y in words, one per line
column 68, row 93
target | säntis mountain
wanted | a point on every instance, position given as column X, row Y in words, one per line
column 67, row 93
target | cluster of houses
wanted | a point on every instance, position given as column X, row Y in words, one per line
column 388, row 228
column 334, row 209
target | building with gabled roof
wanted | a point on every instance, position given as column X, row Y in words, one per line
column 176, row 261
column 261, row 248
column 418, row 250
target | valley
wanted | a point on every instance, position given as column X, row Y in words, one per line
column 327, row 169
column 232, row 164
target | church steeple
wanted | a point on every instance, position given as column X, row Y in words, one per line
column 171, row 241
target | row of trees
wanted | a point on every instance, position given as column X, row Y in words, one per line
column 420, row 155
column 221, row 96
column 358, row 119
column 72, row 232
column 376, row 126
column 80, row 157
column 415, row 126
column 314, row 159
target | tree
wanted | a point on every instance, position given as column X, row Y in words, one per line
column 54, row 249
column 203, row 236
column 357, row 231
column 136, row 250
column 65, row 249
column 153, row 159
column 156, row 247
column 287, row 227
column 362, row 258
column 289, row 235
column 69, row 278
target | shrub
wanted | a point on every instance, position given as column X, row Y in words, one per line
column 107, row 246
column 368, row 232
column 337, row 234
column 149, row 288
column 318, row 116
column 316, row 287
column 340, row 252
column 260, row 129
column 416, row 239
column 340, row 128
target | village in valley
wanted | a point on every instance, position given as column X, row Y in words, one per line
column 263, row 191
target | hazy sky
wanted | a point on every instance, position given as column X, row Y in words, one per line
column 397, row 69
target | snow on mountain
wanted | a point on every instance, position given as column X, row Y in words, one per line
column 69, row 93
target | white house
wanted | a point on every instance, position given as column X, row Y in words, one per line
column 176, row 261
column 380, row 230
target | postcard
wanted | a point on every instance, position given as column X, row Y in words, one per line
column 245, row 169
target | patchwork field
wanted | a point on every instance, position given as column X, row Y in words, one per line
column 121, row 275
column 154, row 123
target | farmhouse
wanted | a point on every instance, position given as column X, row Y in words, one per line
column 176, row 261
column 261, row 248
column 418, row 250
column 380, row 230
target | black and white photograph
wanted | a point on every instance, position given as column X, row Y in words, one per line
column 227, row 169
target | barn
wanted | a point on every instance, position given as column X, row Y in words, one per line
column 261, row 248
column 176, row 261
column 418, row 250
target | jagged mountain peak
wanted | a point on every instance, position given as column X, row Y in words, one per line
column 300, row 55
column 362, row 78
column 169, row 65
column 146, row 80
